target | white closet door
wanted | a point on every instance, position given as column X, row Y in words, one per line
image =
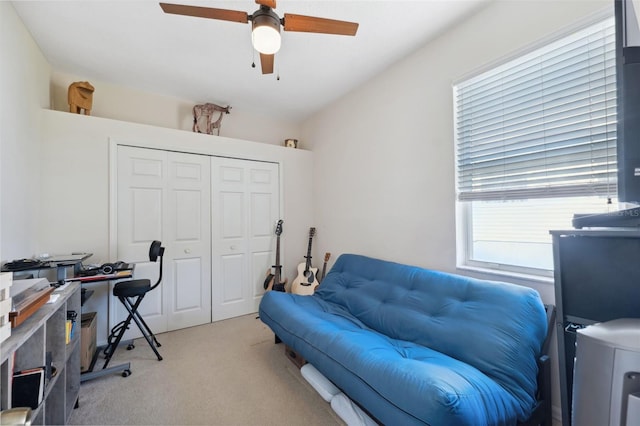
column 166, row 196
column 245, row 206
column 188, row 240
column 141, row 214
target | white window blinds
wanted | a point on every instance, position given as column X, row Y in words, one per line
column 543, row 125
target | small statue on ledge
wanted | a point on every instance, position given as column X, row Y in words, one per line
column 203, row 118
column 80, row 97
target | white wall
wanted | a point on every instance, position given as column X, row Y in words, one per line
column 24, row 89
column 128, row 104
column 384, row 154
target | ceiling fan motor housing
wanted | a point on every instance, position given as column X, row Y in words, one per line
column 266, row 31
column 266, row 17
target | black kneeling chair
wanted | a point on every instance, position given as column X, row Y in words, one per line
column 130, row 293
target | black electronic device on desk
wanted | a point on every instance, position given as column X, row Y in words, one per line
column 21, row 265
column 104, row 272
column 58, row 262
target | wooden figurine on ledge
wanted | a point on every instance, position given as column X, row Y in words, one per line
column 203, row 121
column 80, row 97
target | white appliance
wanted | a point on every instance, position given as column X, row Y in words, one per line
column 606, row 378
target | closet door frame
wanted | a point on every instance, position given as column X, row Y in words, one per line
column 210, row 151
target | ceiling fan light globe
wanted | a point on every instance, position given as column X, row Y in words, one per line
column 266, row 39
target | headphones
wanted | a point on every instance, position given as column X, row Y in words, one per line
column 107, row 268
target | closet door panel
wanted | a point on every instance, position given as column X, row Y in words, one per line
column 166, row 196
column 145, row 226
column 141, row 213
column 188, row 233
column 263, row 192
column 232, row 278
column 231, row 209
column 258, row 272
column 245, row 209
column 188, row 270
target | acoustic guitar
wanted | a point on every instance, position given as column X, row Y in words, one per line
column 273, row 281
column 327, row 255
column 306, row 281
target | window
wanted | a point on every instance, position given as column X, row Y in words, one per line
column 536, row 143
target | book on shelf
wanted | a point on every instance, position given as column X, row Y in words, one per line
column 70, row 326
column 27, row 389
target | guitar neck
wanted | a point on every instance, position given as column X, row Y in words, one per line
column 324, row 266
column 277, row 266
column 308, row 256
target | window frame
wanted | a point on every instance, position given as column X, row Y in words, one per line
column 464, row 216
column 464, row 219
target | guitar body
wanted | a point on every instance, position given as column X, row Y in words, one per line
column 269, row 282
column 273, row 281
column 305, row 282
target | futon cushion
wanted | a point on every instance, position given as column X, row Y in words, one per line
column 498, row 328
column 417, row 346
column 428, row 386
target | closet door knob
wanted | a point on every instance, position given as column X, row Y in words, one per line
column 234, row 247
column 188, row 251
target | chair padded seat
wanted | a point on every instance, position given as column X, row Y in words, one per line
column 131, row 288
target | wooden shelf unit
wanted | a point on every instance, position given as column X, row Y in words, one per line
column 44, row 332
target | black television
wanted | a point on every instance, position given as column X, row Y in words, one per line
column 628, row 94
column 627, row 22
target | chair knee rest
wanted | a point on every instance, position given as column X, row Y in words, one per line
column 131, row 288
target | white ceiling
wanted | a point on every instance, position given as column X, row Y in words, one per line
column 135, row 44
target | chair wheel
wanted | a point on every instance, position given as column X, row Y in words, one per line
column 131, row 346
column 126, row 373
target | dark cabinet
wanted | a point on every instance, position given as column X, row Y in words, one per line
column 597, row 278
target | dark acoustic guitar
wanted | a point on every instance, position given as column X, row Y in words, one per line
column 274, row 281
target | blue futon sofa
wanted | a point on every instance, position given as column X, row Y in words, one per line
column 415, row 346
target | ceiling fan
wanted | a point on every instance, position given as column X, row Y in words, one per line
column 266, row 25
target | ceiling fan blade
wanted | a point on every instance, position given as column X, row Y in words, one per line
column 267, row 63
column 268, row 3
column 312, row 24
column 206, row 12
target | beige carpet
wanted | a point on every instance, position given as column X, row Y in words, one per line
column 226, row 373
